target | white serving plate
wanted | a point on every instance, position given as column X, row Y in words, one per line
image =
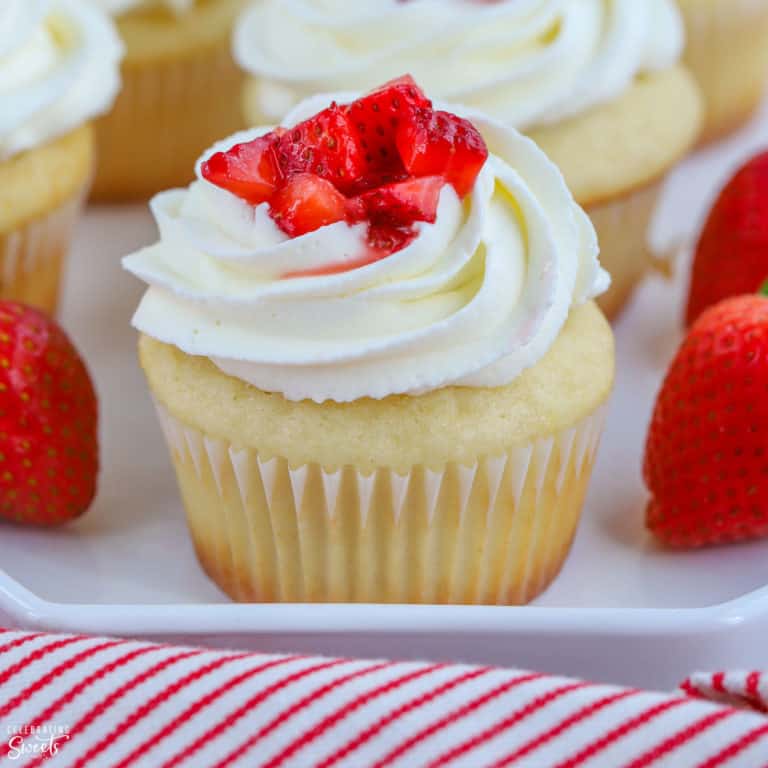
column 622, row 610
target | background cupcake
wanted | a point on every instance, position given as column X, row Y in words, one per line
column 727, row 50
column 597, row 84
column 181, row 91
column 58, row 70
column 366, row 406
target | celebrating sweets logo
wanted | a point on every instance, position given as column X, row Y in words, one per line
column 43, row 740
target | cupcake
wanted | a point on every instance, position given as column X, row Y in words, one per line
column 597, row 83
column 58, row 70
column 371, row 340
column 727, row 51
column 181, row 91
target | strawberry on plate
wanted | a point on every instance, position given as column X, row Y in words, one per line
column 732, row 253
column 382, row 160
column 48, row 421
column 706, row 459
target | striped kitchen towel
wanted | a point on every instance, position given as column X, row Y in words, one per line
column 89, row 702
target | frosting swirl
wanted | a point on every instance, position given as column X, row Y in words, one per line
column 116, row 7
column 476, row 298
column 59, row 67
column 526, row 62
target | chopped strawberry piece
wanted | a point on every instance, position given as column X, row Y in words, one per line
column 387, row 239
column 306, row 203
column 327, row 146
column 403, row 203
column 442, row 144
column 376, row 118
column 249, row 170
column 381, row 160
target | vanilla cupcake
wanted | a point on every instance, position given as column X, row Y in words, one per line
column 377, row 390
column 727, row 51
column 597, row 83
column 181, row 91
column 58, row 71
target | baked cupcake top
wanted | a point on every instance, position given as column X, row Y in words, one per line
column 116, row 7
column 526, row 62
column 367, row 249
column 59, row 67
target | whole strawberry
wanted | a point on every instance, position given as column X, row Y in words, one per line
column 732, row 253
column 706, row 460
column 48, row 421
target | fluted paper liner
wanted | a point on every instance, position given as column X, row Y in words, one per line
column 727, row 50
column 622, row 227
column 32, row 257
column 167, row 113
column 496, row 532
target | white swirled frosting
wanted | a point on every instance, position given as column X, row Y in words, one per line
column 59, row 67
column 116, row 7
column 526, row 62
column 475, row 299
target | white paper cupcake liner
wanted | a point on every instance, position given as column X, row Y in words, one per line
column 167, row 113
column 32, row 257
column 622, row 227
column 727, row 50
column 496, row 532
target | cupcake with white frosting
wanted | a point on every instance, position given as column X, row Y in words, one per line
column 181, row 91
column 372, row 343
column 59, row 69
column 597, row 83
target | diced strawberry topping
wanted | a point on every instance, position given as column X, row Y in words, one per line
column 325, row 145
column 381, row 160
column 387, row 239
column 440, row 143
column 306, row 203
column 403, row 203
column 248, row 170
column 376, row 117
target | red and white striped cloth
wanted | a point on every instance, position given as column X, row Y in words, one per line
column 92, row 702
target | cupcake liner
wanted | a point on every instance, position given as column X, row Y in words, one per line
column 496, row 532
column 727, row 50
column 32, row 257
column 622, row 227
column 167, row 114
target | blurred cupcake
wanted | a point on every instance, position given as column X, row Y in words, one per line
column 596, row 83
column 727, row 50
column 181, row 91
column 375, row 356
column 58, row 70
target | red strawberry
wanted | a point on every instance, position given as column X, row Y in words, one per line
column 306, row 203
column 402, row 203
column 48, row 421
column 385, row 239
column 376, row 118
column 327, row 146
column 442, row 144
column 706, row 459
column 249, row 170
column 345, row 164
column 732, row 254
